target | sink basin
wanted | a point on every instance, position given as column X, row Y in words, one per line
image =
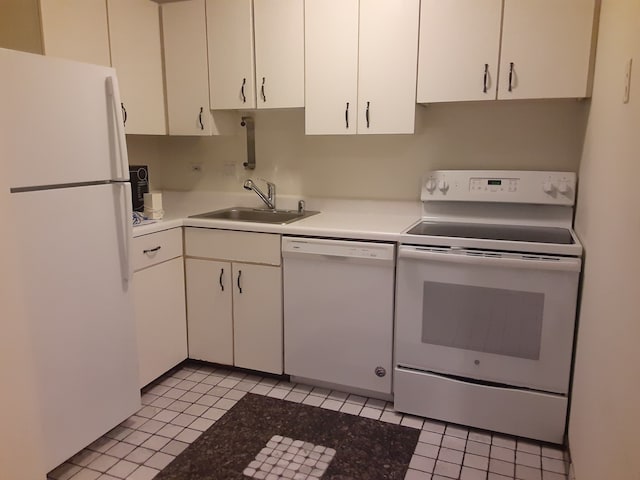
column 243, row 214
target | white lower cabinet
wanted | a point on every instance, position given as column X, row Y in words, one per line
column 159, row 303
column 234, row 298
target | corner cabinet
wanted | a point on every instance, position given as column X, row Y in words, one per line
column 256, row 53
column 159, row 301
column 184, row 41
column 136, row 54
column 504, row 49
column 234, row 298
column 360, row 66
column 76, row 30
column 124, row 34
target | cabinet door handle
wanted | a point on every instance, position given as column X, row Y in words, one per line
column 124, row 113
column 244, row 98
column 239, row 286
column 346, row 115
column 264, row 96
column 221, row 284
column 200, row 118
column 486, row 77
column 152, row 250
column 511, row 76
column 366, row 114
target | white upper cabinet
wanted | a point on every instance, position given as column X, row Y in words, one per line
column 387, row 66
column 546, row 48
column 360, row 66
column 76, row 30
column 504, row 49
column 134, row 30
column 184, row 39
column 279, row 51
column 331, row 66
column 459, row 49
column 231, row 61
column 267, row 73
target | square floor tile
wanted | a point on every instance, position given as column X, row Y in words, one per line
column 140, row 455
column 122, row 469
column 446, row 469
column 528, row 473
column 424, row 464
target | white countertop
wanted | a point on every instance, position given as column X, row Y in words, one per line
column 350, row 219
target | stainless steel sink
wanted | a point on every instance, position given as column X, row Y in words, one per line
column 243, row 214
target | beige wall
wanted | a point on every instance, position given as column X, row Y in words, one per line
column 605, row 407
column 495, row 135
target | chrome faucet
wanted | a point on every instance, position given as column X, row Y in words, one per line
column 269, row 199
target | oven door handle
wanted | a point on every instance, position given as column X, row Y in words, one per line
column 506, row 261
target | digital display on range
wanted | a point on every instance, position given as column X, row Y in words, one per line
column 497, row 183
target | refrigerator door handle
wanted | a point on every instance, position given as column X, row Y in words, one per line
column 122, row 160
column 125, row 230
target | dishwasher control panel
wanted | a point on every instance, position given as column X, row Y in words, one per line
column 338, row 248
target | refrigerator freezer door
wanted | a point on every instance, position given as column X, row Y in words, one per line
column 80, row 311
column 60, row 121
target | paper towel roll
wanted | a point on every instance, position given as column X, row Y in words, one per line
column 153, row 205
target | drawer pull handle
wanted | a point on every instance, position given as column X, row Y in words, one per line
column 200, row 118
column 239, row 286
column 244, row 98
column 152, row 250
column 221, row 284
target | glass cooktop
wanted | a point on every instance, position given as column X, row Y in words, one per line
column 514, row 233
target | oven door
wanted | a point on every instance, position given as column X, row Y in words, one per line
column 497, row 317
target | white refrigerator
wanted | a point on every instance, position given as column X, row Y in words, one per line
column 62, row 138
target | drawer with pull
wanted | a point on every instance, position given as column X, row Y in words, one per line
column 148, row 250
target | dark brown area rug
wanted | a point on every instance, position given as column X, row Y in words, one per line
column 267, row 438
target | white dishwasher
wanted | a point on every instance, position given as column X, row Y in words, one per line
column 338, row 312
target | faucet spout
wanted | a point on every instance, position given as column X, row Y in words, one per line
column 269, row 199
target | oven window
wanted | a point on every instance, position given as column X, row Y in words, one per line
column 491, row 320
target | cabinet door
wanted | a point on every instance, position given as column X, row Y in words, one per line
column 279, row 51
column 134, row 29
column 184, row 37
column 160, row 318
column 231, row 60
column 209, row 320
column 546, row 48
column 76, row 29
column 467, row 69
column 388, row 58
column 257, row 311
column 331, row 67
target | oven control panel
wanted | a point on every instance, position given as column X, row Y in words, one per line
column 507, row 186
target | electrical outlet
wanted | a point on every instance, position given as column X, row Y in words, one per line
column 627, row 81
column 196, row 168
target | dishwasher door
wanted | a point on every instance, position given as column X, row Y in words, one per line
column 338, row 311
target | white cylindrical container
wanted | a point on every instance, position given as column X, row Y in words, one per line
column 153, row 205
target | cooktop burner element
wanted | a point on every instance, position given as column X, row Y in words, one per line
column 516, row 233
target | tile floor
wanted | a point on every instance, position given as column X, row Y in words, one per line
column 179, row 406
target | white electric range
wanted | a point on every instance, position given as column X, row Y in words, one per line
column 487, row 286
